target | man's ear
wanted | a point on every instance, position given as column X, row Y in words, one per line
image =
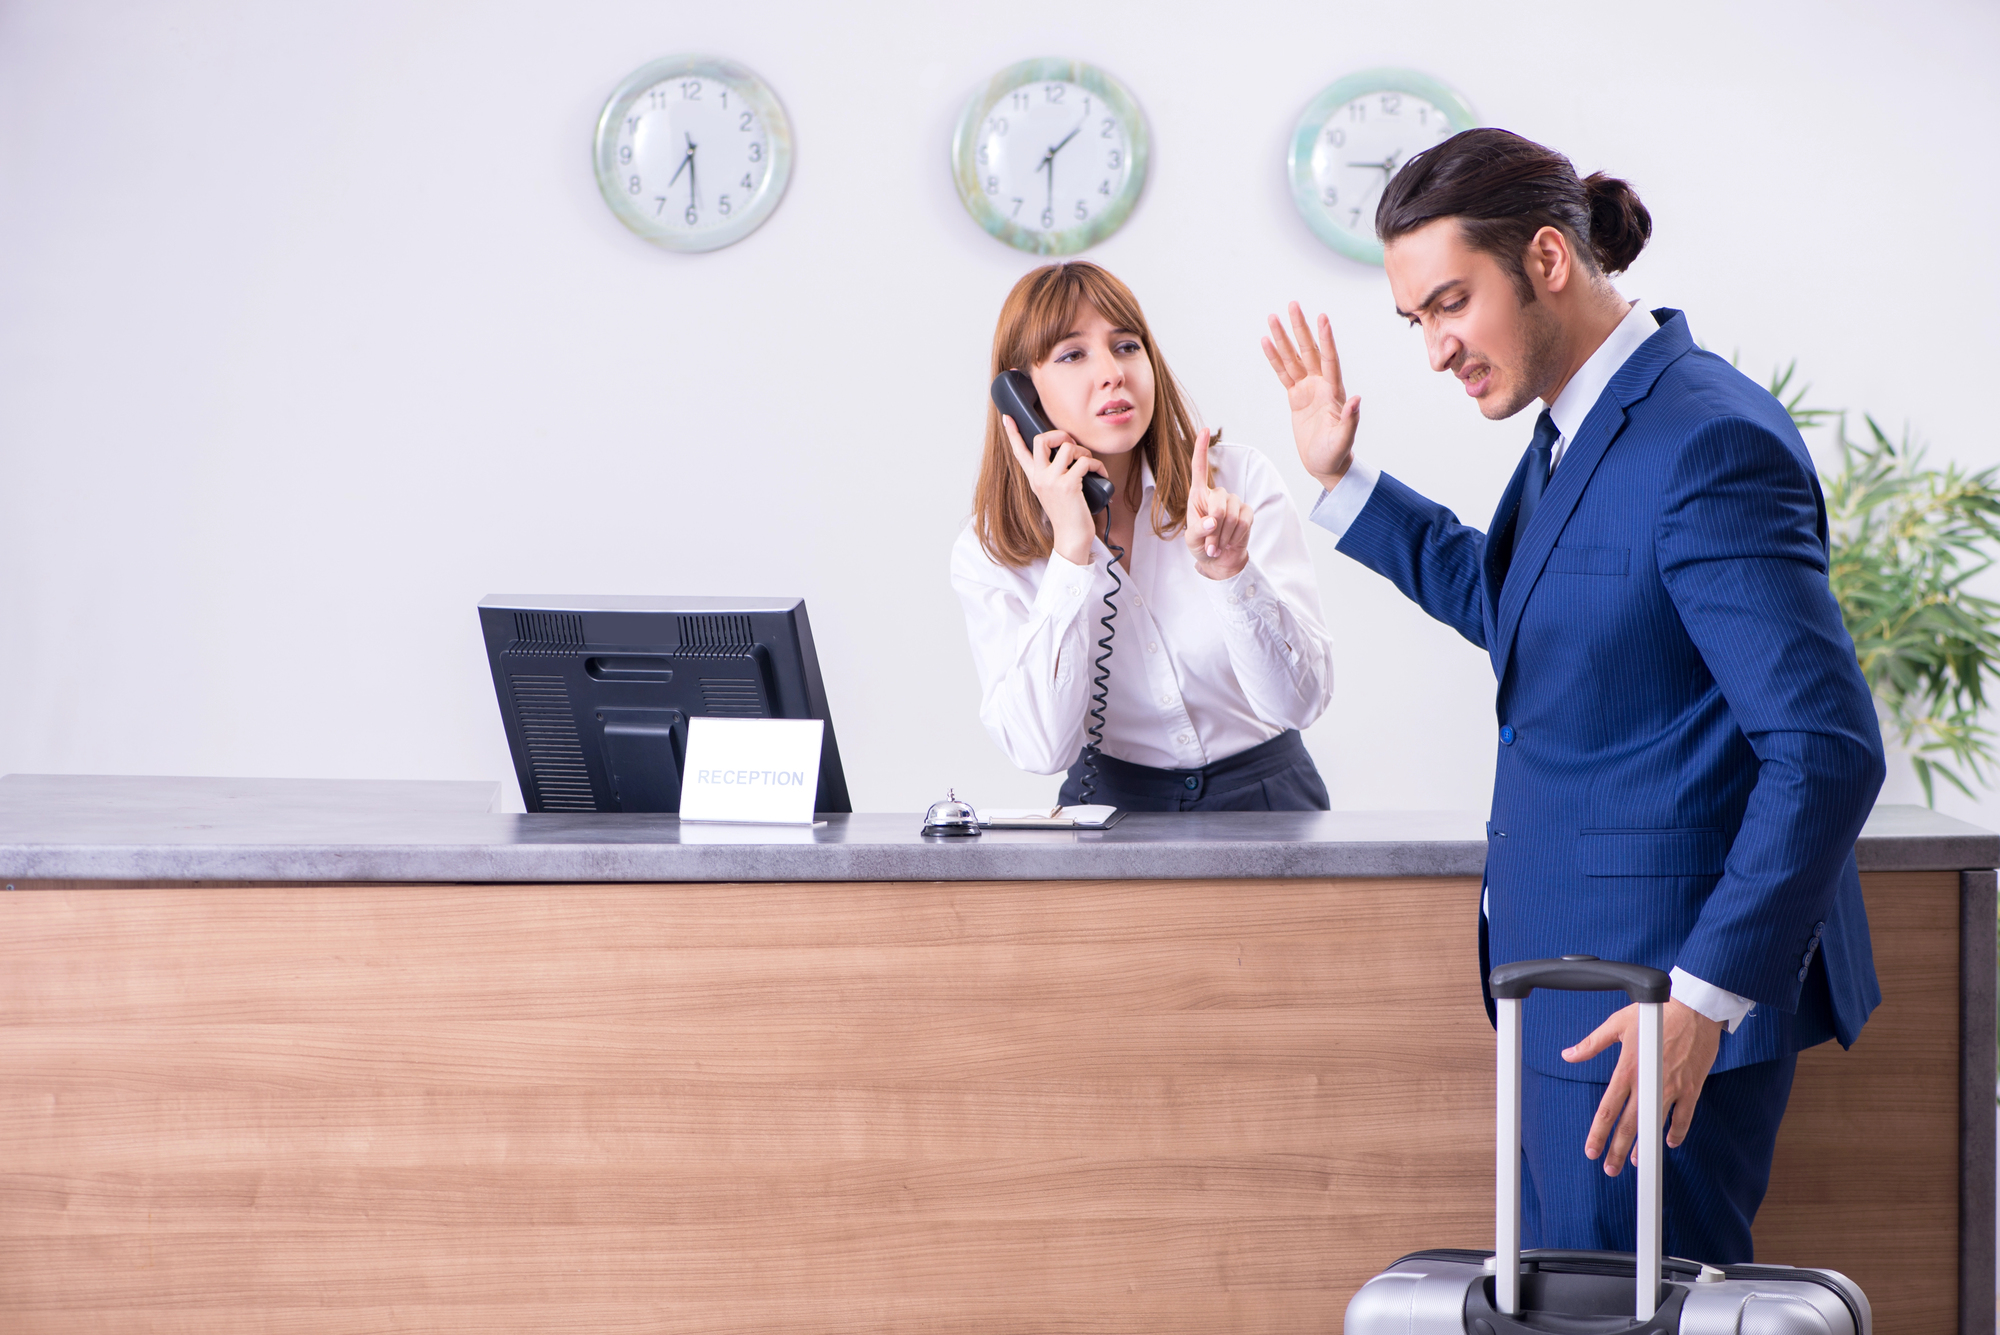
column 1549, row 262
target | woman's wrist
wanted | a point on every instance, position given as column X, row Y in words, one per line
column 1073, row 548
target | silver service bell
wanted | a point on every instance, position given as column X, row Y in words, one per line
column 951, row 816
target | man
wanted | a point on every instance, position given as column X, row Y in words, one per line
column 1687, row 748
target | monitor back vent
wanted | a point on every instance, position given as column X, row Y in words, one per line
column 731, row 697
column 555, row 753
column 714, row 630
column 546, row 631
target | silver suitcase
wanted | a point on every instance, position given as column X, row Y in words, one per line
column 1509, row 1292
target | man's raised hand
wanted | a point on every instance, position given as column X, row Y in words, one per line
column 1324, row 416
column 1218, row 524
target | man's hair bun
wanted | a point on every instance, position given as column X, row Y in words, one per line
column 1620, row 226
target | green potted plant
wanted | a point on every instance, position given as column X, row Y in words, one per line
column 1906, row 542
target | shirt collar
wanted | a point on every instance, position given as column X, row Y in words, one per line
column 1580, row 395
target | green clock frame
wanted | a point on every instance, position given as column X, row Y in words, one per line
column 965, row 171
column 753, row 90
column 1298, row 162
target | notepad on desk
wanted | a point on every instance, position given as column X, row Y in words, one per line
column 1049, row 818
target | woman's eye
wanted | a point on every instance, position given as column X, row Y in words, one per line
column 1128, row 348
column 1069, row 356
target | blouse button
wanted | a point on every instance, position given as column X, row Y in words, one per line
column 1153, row 648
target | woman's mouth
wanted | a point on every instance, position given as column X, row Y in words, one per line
column 1118, row 411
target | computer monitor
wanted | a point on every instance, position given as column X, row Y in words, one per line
column 596, row 693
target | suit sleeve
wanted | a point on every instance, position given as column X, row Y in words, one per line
column 1742, row 554
column 1421, row 548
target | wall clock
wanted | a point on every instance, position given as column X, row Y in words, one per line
column 1050, row 156
column 693, row 152
column 1353, row 137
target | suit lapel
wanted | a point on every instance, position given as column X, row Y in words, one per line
column 1493, row 557
column 1634, row 381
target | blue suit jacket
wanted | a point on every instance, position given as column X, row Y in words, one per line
column 1687, row 746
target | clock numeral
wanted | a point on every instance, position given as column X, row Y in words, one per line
column 691, row 216
column 691, row 90
column 1336, row 137
column 748, row 184
column 1104, row 187
column 996, row 125
column 633, row 187
column 992, row 185
column 656, row 98
column 1053, row 91
column 1109, row 126
column 1017, row 206
column 1082, row 211
column 1392, row 104
column 743, row 121
column 659, row 205
column 1330, row 198
column 1048, row 218
column 725, row 99
column 1114, row 159
column 983, row 157
column 624, row 153
column 1086, row 106
column 1423, row 114
column 1357, row 112
column 632, row 125
column 757, row 151
column 1354, row 218
column 723, row 205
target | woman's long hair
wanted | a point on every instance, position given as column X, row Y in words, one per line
column 1038, row 312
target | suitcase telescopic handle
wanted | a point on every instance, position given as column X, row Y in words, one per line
column 1579, row 973
column 1510, row 985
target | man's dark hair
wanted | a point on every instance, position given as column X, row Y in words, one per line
column 1503, row 189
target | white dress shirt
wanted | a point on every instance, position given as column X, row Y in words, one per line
column 1200, row 669
column 1336, row 511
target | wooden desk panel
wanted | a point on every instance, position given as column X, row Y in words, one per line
column 1099, row 1106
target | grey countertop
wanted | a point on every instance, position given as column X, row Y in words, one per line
column 125, row 828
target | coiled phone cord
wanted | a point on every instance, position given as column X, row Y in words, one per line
column 1101, row 683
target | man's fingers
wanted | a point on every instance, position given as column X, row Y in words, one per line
column 1285, row 378
column 1598, row 1040
column 1309, row 352
column 1620, row 1149
column 1609, row 1109
column 1329, row 359
column 1281, row 344
column 1683, row 1118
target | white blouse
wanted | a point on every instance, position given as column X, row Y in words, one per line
column 1201, row 669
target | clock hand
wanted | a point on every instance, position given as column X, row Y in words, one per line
column 1065, row 139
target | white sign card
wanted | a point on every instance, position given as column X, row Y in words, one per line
column 762, row 771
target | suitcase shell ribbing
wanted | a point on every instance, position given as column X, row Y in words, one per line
column 1511, row 1292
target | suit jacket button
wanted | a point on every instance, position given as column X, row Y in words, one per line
column 1819, row 929
column 1507, row 735
column 1802, row 973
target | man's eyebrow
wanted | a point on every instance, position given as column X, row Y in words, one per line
column 1430, row 299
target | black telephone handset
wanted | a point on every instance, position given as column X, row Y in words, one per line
column 1014, row 394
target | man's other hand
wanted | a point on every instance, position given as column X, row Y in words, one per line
column 1688, row 1044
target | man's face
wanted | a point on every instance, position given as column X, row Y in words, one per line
column 1506, row 353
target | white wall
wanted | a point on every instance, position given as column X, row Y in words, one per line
column 313, row 329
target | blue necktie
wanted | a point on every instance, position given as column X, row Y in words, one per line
column 1539, row 451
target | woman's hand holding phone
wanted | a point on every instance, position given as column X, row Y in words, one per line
column 1218, row 524
column 1055, row 466
column 1324, row 415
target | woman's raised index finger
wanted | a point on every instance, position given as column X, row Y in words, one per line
column 1198, row 480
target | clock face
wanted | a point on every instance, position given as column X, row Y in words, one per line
column 693, row 153
column 1353, row 138
column 1050, row 156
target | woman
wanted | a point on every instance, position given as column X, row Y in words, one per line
column 1220, row 654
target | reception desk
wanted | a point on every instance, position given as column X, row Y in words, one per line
column 286, row 1056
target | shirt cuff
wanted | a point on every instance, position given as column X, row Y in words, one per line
column 1338, row 508
column 1710, row 1001
column 1240, row 597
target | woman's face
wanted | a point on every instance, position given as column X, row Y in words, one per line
column 1097, row 384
